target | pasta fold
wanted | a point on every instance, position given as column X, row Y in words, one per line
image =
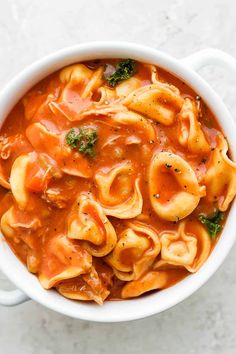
column 20, row 227
column 173, row 199
column 118, row 191
column 65, row 259
column 124, row 88
column 190, row 133
column 13, row 223
column 153, row 280
column 160, row 102
column 93, row 285
column 18, row 178
column 188, row 247
column 220, row 178
column 87, row 222
column 80, row 82
column 141, row 124
column 137, row 247
column 10, row 148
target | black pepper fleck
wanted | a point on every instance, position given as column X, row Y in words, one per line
column 168, row 166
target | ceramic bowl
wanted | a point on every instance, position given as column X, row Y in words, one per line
column 28, row 286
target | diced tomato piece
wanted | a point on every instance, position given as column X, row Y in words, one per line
column 36, row 180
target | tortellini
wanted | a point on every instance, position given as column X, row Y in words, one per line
column 10, row 148
column 4, row 179
column 103, row 110
column 13, row 222
column 154, row 74
column 127, row 86
column 220, row 178
column 65, row 259
column 44, row 140
column 119, row 192
column 87, row 222
column 173, row 199
column 78, row 74
column 142, row 125
column 137, row 247
column 33, row 103
column 80, row 82
column 18, row 178
column 153, row 280
column 90, row 286
column 188, row 247
column 20, row 227
column 31, row 172
column 160, row 102
column 106, row 95
column 190, row 133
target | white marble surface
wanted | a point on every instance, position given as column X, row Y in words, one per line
column 29, row 29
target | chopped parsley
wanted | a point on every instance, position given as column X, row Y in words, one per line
column 124, row 70
column 83, row 139
column 212, row 223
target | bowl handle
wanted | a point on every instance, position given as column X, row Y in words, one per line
column 12, row 298
column 208, row 57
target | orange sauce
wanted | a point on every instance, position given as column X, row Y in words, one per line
column 53, row 216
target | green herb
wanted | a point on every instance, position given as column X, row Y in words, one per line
column 124, row 70
column 71, row 138
column 212, row 223
column 83, row 139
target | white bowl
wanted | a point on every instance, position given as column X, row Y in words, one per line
column 116, row 311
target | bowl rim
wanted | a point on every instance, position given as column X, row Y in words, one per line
column 154, row 303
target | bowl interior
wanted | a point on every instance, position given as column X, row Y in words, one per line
column 115, row 311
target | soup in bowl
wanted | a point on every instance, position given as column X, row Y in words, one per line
column 116, row 181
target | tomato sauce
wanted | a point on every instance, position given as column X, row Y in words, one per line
column 53, row 181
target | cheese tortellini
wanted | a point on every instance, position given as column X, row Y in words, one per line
column 190, row 132
column 78, row 74
column 67, row 260
column 31, row 172
column 137, row 247
column 10, row 148
column 188, row 247
column 80, row 83
column 18, row 178
column 126, row 87
column 176, row 197
column 20, row 227
column 90, row 286
column 119, row 192
column 220, row 178
column 142, row 125
column 114, row 180
column 14, row 223
column 160, row 102
column 88, row 222
column 152, row 280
